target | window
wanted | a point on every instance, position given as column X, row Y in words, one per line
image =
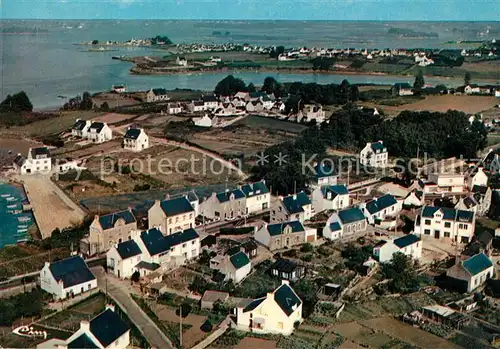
column 427, row 232
column 447, row 234
column 427, row 222
column 170, row 221
column 192, row 242
column 183, row 245
column 447, row 224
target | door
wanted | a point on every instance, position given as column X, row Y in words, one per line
column 118, row 274
column 436, row 234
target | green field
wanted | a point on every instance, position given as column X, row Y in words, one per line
column 260, row 122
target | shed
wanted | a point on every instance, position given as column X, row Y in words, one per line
column 210, row 297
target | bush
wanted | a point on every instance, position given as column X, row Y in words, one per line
column 307, row 247
column 186, row 309
column 206, row 326
column 307, row 257
column 21, row 305
column 290, row 253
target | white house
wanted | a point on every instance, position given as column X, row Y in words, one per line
column 80, row 128
column 67, row 278
column 122, row 259
column 478, row 201
column 477, row 177
column 472, row 272
column 254, row 106
column 174, row 108
column 99, row 132
column 446, row 223
column 324, row 174
column 135, row 139
column 472, row 89
column 374, row 155
column 258, row 197
column 415, row 198
column 410, row 245
column 182, row 61
column 402, row 89
column 157, row 95
column 235, row 267
column 311, row 112
column 119, row 88
column 440, row 182
column 205, row 121
column 278, row 312
column 106, row 330
column 330, row 197
column 381, row 208
column 293, row 207
column 229, row 204
column 210, row 102
column 344, row 223
column 172, row 215
column 160, row 253
column 196, row 107
column 38, row 161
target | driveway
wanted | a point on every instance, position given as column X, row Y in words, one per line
column 121, row 295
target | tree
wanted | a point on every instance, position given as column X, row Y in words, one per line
column 467, row 78
column 277, row 51
column 135, row 276
column 105, row 106
column 354, row 97
column 86, row 103
column 419, row 81
column 199, row 285
column 345, row 88
column 271, row 86
column 95, row 42
column 229, row 86
column 251, row 87
column 16, row 103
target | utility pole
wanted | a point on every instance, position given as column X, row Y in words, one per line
column 180, row 327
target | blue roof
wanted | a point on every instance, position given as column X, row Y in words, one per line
column 381, row 203
column 156, row 243
column 287, row 299
column 334, row 190
column 294, row 203
column 132, row 133
column 278, row 228
column 107, row 327
column 174, row 207
column 254, row 304
column 253, row 189
column 225, row 196
column 351, row 215
column 82, row 342
column 477, row 264
column 128, row 249
column 322, row 170
column 72, row 271
column 449, row 214
column 378, row 146
column 406, row 240
column 335, row 226
column 239, row 260
column 108, row 221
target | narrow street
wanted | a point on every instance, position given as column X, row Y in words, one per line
column 120, row 294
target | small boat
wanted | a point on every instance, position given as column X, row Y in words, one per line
column 5, row 195
column 22, row 230
column 12, row 206
column 22, row 240
column 11, row 198
column 23, row 219
column 62, row 97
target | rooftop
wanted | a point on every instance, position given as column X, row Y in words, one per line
column 477, row 264
column 107, row 327
column 128, row 249
column 239, row 260
column 108, row 221
column 406, row 240
column 295, row 203
column 133, row 133
column 279, row 228
column 71, row 271
column 351, row 215
column 174, row 207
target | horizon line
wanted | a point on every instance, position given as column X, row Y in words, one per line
column 249, row 19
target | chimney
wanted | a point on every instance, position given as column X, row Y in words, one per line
column 157, row 202
column 110, row 307
column 227, row 190
column 285, row 282
column 167, row 196
column 96, row 217
column 47, row 264
column 295, row 196
column 85, row 325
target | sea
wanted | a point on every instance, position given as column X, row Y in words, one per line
column 49, row 65
column 14, row 223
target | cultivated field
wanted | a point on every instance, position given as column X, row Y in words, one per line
column 17, row 146
column 252, row 343
column 467, row 104
column 20, row 259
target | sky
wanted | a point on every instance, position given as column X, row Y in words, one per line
column 384, row 10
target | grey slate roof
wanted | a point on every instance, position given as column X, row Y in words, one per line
column 173, row 207
column 147, row 266
column 159, row 91
column 335, row 226
column 254, row 304
column 79, row 125
column 156, row 243
column 322, row 170
column 108, row 327
column 108, row 221
column 19, row 160
column 449, row 214
column 209, row 98
column 82, row 342
column 132, row 133
column 295, row 203
column 381, row 203
column 351, row 215
column 284, row 265
column 406, row 240
column 286, row 299
column 477, row 264
column 128, row 249
column 239, row 260
column 278, row 228
column 225, row 196
column 71, row 271
column 253, row 189
column 40, row 152
column 403, row 85
column 378, row 146
column 334, row 190
column 97, row 126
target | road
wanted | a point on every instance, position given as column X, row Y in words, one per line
column 121, row 295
